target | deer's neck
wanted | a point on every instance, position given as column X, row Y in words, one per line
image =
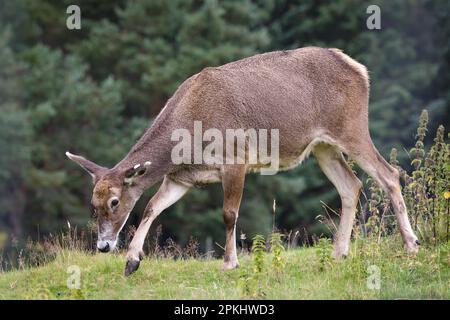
column 153, row 146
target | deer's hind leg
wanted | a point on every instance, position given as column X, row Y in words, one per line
column 334, row 166
column 370, row 160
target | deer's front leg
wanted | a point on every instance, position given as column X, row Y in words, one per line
column 233, row 185
column 169, row 192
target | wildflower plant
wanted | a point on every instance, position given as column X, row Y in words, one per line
column 426, row 190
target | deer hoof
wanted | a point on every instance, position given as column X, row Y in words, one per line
column 229, row 266
column 413, row 247
column 339, row 254
column 131, row 266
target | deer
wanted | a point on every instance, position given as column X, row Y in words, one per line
column 317, row 99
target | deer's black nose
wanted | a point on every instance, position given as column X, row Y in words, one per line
column 104, row 249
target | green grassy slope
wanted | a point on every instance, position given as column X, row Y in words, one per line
column 304, row 277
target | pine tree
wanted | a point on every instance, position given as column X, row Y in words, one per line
column 14, row 139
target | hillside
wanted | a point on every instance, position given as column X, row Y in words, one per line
column 308, row 274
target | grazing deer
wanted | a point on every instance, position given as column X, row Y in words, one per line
column 318, row 100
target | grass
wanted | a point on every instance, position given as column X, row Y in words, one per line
column 305, row 275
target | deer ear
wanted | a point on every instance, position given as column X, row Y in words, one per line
column 93, row 169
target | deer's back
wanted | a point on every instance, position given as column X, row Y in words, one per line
column 300, row 92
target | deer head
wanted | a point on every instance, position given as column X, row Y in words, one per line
column 114, row 195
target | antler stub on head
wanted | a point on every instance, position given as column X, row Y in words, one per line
column 136, row 171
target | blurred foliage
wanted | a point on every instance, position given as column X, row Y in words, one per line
column 95, row 90
column 426, row 191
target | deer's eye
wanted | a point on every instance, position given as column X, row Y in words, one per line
column 113, row 203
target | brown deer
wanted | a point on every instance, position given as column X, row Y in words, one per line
column 316, row 98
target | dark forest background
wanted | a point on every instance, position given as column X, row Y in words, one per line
column 94, row 91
